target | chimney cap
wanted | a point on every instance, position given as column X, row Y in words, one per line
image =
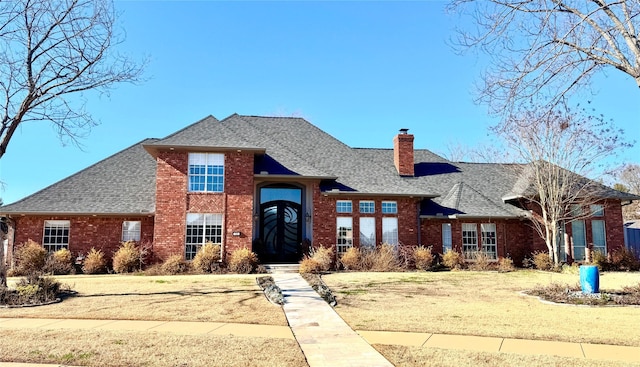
column 403, row 130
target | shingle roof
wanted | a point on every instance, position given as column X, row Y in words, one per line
column 123, row 183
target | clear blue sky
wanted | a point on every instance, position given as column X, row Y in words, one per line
column 358, row 70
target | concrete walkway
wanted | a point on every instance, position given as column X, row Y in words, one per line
column 325, row 339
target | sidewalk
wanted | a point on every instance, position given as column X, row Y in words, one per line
column 325, row 339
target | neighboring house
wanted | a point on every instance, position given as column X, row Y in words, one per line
column 276, row 185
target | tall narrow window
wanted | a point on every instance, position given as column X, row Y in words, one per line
column 202, row 228
column 579, row 240
column 344, row 234
column 344, row 206
column 597, row 210
column 130, row 230
column 446, row 237
column 489, row 246
column 599, row 236
column 469, row 239
column 206, row 172
column 390, row 230
column 56, row 235
column 368, row 232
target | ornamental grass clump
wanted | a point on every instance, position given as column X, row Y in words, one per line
column 423, row 258
column 30, row 258
column 384, row 258
column 243, row 261
column 453, row 260
column 351, row 259
column 505, row 265
column 309, row 265
column 175, row 264
column 127, row 258
column 59, row 263
column 207, row 259
column 542, row 261
column 94, row 262
column 324, row 257
column 481, row 261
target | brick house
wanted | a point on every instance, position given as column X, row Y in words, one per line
column 277, row 185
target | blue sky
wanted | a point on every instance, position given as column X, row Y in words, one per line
column 358, row 70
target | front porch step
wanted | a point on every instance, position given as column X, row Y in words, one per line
column 282, row 268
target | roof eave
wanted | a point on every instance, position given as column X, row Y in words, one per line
column 359, row 193
column 471, row 216
column 154, row 149
column 294, row 177
column 75, row 214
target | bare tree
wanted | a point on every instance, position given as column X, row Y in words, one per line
column 629, row 177
column 549, row 49
column 562, row 150
column 51, row 49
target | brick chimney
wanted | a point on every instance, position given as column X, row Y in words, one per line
column 403, row 153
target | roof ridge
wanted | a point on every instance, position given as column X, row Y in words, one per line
column 189, row 126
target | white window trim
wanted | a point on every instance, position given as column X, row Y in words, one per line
column 493, row 255
column 395, row 206
column 385, row 225
column 466, row 252
column 604, row 235
column 218, row 220
column 340, row 211
column 127, row 231
column 206, row 159
column 55, row 224
column 368, row 202
column 447, row 240
column 373, row 239
column 343, row 247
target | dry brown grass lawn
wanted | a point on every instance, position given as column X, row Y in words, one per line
column 121, row 349
column 218, row 298
column 481, row 303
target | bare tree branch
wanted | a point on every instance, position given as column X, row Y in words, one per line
column 50, row 50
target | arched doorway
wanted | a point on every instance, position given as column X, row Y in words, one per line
column 280, row 220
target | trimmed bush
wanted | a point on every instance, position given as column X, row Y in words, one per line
column 542, row 261
column 453, row 260
column 127, row 258
column 59, row 263
column 243, row 261
column 175, row 264
column 207, row 259
column 351, row 260
column 309, row 265
column 94, row 262
column 30, row 258
column 423, row 258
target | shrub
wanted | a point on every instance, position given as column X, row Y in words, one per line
column 505, row 265
column 175, row 264
column 542, row 261
column 207, row 259
column 94, row 262
column 481, row 261
column 351, row 259
column 243, row 261
column 453, row 260
column 423, row 257
column 324, row 257
column 30, row 258
column 384, row 259
column 600, row 259
column 309, row 265
column 127, row 258
column 36, row 289
column 624, row 259
column 59, row 263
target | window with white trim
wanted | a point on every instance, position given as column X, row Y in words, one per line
column 206, row 172
column 447, row 243
column 367, row 206
column 202, row 228
column 469, row 239
column 56, row 235
column 390, row 207
column 390, row 231
column 344, row 206
column 578, row 237
column 599, row 236
column 489, row 244
column 131, row 230
column 344, row 236
column 597, row 210
column 368, row 232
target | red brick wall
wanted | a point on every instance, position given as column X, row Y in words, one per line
column 325, row 214
column 403, row 154
column 173, row 202
column 513, row 237
column 85, row 232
